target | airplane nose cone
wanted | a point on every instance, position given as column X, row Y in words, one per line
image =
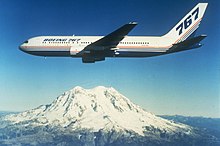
column 22, row 48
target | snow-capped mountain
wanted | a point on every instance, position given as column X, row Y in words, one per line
column 94, row 117
column 95, row 109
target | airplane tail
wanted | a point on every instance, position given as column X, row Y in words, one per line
column 188, row 25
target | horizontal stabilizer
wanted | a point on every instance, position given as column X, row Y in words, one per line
column 187, row 44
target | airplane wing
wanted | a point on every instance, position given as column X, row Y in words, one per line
column 187, row 44
column 105, row 44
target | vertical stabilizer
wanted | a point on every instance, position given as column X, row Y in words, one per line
column 188, row 25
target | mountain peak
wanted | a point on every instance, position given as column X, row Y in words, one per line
column 95, row 109
column 97, row 88
column 78, row 88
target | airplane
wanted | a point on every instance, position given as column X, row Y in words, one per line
column 117, row 44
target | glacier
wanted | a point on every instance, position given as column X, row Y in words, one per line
column 98, row 116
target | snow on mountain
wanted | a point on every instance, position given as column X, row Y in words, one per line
column 94, row 109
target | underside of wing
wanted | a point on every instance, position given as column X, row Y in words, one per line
column 97, row 50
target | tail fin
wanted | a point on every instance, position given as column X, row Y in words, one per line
column 188, row 25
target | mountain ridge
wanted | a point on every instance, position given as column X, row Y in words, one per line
column 98, row 116
column 101, row 106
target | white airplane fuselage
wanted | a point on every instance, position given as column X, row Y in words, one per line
column 130, row 46
column 118, row 44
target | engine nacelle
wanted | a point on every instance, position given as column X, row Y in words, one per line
column 88, row 58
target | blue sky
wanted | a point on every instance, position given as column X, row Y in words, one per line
column 185, row 83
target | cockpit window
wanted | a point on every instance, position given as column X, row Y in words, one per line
column 25, row 42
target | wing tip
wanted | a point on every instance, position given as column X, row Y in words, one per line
column 133, row 22
column 203, row 35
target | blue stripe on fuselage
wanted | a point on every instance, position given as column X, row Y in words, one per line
column 138, row 54
column 109, row 54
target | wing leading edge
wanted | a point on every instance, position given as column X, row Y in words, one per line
column 94, row 51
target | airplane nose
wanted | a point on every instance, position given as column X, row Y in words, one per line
column 22, row 48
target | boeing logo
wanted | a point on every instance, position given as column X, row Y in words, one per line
column 61, row 40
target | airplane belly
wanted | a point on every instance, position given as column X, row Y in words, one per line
column 143, row 50
column 140, row 52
